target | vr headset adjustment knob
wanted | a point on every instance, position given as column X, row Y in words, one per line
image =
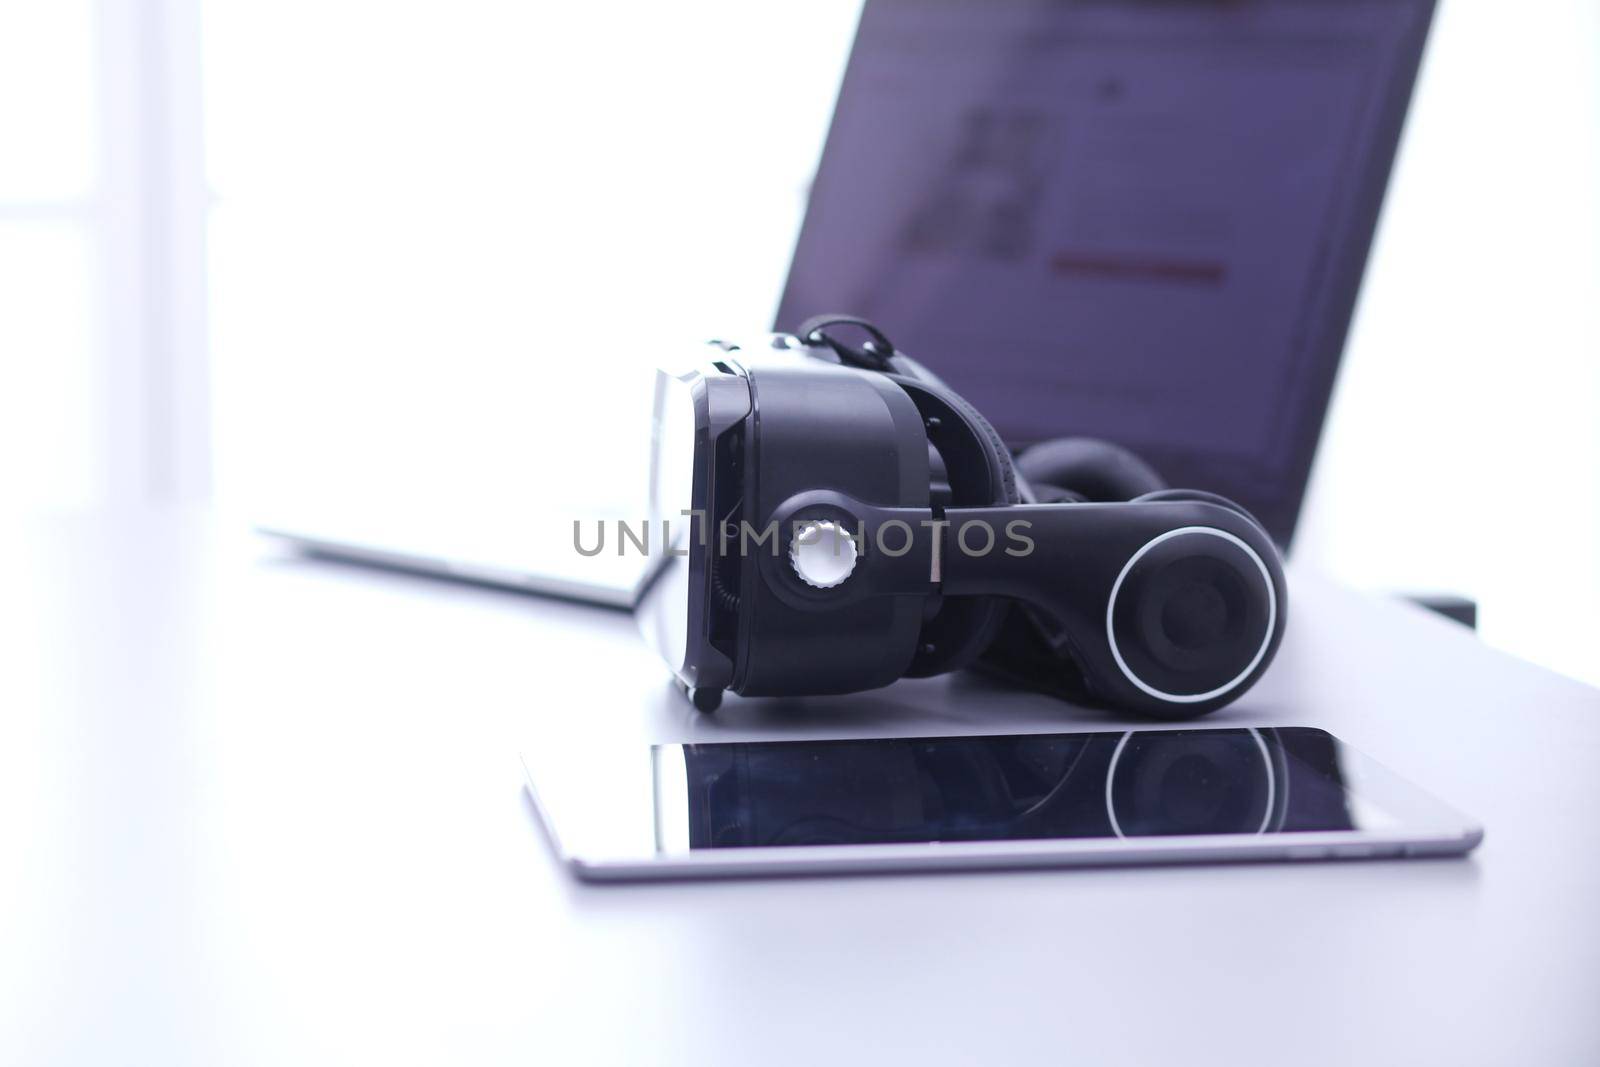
column 822, row 553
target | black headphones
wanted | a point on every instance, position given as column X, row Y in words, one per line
column 837, row 518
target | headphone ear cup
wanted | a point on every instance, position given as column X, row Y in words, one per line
column 1092, row 469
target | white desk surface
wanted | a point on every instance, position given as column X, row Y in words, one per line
column 265, row 810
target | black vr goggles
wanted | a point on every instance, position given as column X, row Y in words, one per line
column 838, row 518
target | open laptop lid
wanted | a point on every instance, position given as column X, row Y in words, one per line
column 1137, row 220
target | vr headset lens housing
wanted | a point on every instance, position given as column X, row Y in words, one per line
column 698, row 416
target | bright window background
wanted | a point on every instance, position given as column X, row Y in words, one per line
column 104, row 395
column 1463, row 448
column 48, row 213
column 470, row 229
column 439, row 232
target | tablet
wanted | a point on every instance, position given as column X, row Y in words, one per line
column 1146, row 796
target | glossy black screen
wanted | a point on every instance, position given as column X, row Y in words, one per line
column 1129, row 784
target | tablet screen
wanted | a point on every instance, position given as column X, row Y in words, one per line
column 1008, row 787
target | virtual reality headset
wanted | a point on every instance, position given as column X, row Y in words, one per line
column 836, row 518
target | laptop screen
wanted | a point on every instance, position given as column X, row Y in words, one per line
column 1142, row 221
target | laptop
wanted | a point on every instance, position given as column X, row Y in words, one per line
column 1143, row 221
column 1140, row 221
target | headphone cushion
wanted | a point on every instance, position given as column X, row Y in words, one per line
column 966, row 626
column 997, row 447
column 1090, row 468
